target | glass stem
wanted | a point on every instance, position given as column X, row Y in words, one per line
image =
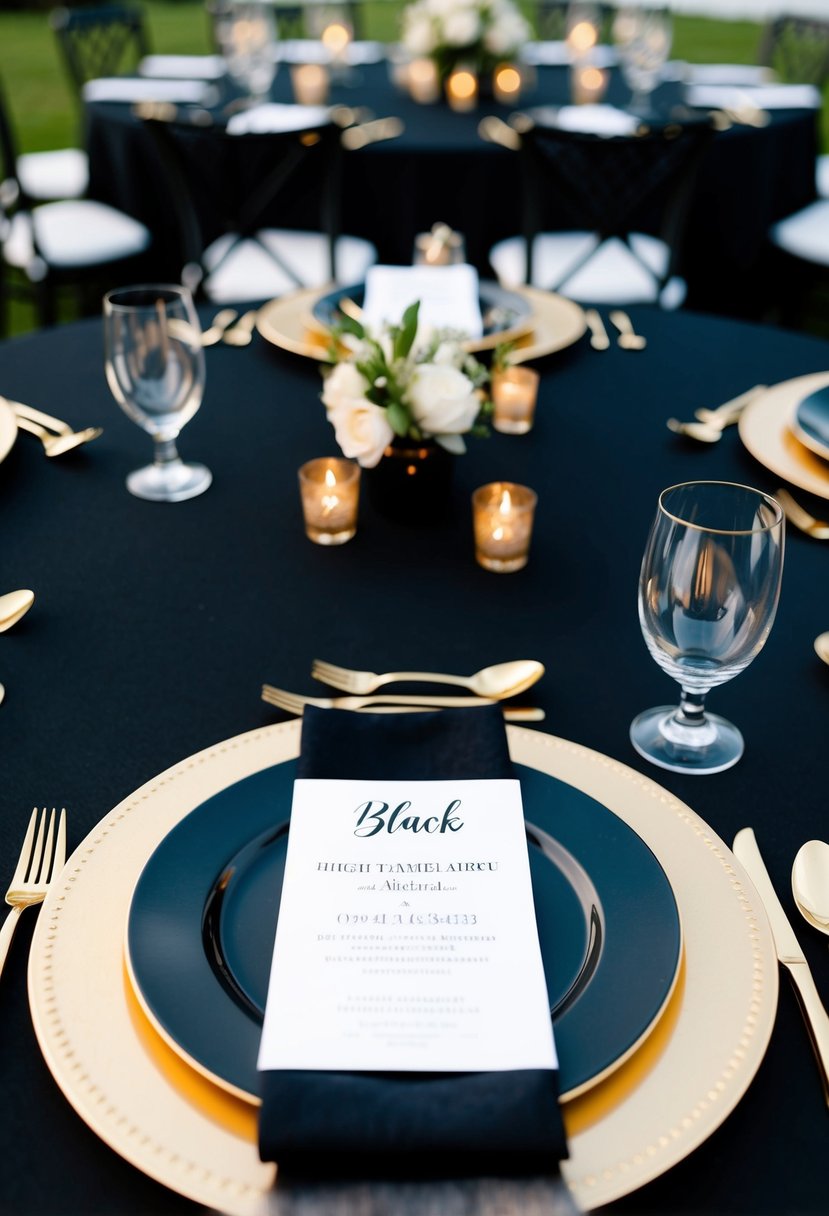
column 691, row 709
column 165, row 452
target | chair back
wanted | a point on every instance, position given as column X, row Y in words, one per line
column 612, row 186
column 798, row 49
column 107, row 40
column 219, row 184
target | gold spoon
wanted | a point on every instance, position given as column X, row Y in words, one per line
column 628, row 338
column 598, row 334
column 223, row 318
column 703, row 431
column 13, row 606
column 56, row 445
column 822, row 646
column 241, row 334
column 810, row 883
column 818, row 529
column 495, row 683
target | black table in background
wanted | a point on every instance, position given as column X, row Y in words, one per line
column 154, row 627
column 441, row 169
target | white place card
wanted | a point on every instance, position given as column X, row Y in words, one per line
column 448, row 297
column 406, row 939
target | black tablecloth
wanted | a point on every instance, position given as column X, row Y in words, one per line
column 440, row 169
column 155, row 625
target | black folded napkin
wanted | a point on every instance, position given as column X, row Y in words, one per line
column 409, row 1124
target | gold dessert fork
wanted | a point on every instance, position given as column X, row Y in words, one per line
column 818, row 529
column 41, row 859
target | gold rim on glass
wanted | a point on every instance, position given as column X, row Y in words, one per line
column 734, row 485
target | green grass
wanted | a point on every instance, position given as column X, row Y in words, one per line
column 46, row 115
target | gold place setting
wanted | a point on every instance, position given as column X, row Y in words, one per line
column 432, row 653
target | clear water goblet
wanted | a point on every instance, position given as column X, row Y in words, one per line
column 154, row 364
column 643, row 39
column 246, row 35
column 708, row 593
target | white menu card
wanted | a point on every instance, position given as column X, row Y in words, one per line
column 406, row 938
column 448, row 297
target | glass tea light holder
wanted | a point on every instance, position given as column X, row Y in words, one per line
column 506, row 84
column 514, row 397
column 462, row 90
column 330, row 491
column 440, row 247
column 502, row 519
column 423, row 81
column 336, row 38
column 588, row 84
column 310, row 83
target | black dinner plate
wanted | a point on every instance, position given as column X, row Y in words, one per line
column 203, row 917
column 812, row 421
column 502, row 311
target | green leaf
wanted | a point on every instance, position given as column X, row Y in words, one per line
column 348, row 325
column 404, row 336
column 399, row 417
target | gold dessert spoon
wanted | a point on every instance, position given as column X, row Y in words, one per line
column 810, row 883
column 13, row 606
column 241, row 334
column 494, row 683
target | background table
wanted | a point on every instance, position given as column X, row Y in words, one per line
column 155, row 625
column 440, row 169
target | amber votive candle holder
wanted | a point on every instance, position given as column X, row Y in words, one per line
column 588, row 84
column 310, row 83
column 330, row 491
column 502, row 519
column 514, row 397
column 462, row 90
column 423, row 81
column 506, row 84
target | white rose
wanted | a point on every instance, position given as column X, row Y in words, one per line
column 362, row 430
column 343, row 384
column 442, row 400
column 506, row 34
column 418, row 34
column 461, row 28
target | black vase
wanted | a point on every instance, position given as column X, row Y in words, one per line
column 412, row 483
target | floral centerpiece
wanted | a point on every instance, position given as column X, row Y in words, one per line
column 401, row 402
column 477, row 33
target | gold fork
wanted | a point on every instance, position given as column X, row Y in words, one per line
column 294, row 703
column 41, row 859
column 818, row 529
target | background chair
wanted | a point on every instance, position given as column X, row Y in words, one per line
column 107, row 40
column 585, row 199
column 226, row 192
column 75, row 242
column 797, row 48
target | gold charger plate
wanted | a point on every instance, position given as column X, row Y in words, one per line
column 147, row 1105
column 287, row 322
column 765, row 429
column 8, row 428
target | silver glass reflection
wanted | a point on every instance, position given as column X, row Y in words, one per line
column 155, row 371
column 708, row 593
column 245, row 32
column 643, row 38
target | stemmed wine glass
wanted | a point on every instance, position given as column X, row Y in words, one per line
column 643, row 39
column 155, row 371
column 708, row 594
column 246, row 33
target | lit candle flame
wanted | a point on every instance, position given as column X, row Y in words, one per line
column 336, row 37
column 582, row 37
column 329, row 501
column 505, row 505
column 463, row 85
column 508, row 80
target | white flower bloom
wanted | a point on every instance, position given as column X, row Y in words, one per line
column 449, row 354
column 362, row 430
column 442, row 399
column 418, row 32
column 342, row 385
column 507, row 33
column 461, row 27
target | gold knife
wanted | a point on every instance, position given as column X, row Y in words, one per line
column 789, row 952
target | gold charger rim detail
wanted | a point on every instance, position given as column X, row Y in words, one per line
column 766, row 432
column 286, row 322
column 8, row 428
column 643, row 1120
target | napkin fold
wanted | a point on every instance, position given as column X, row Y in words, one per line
column 183, row 67
column 409, row 1125
column 134, row 88
column 761, row 97
column 275, row 116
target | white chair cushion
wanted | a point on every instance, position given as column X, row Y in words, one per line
column 249, row 273
column 806, row 233
column 61, row 174
column 612, row 275
column 822, row 175
column 74, row 234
